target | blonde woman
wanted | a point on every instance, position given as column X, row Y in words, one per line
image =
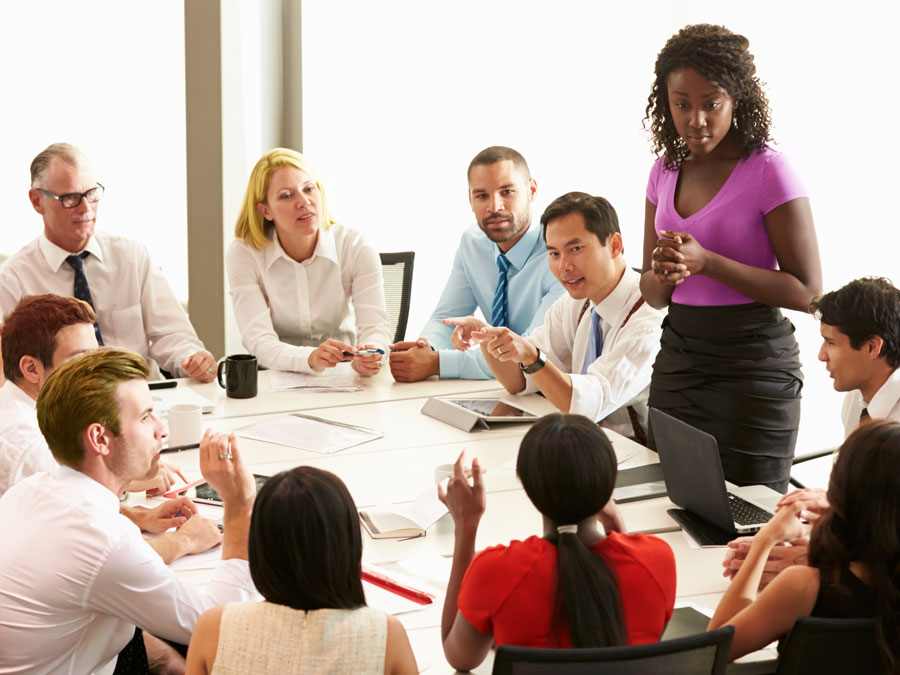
column 294, row 273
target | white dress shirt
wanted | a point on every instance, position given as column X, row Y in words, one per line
column 77, row 577
column 135, row 306
column 23, row 450
column 285, row 309
column 885, row 404
column 620, row 377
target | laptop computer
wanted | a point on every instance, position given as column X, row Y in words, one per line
column 695, row 481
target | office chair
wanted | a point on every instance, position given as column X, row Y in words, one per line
column 703, row 654
column 397, row 269
column 806, row 458
column 824, row 646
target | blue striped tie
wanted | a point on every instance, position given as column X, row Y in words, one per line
column 595, row 342
column 500, row 307
column 82, row 292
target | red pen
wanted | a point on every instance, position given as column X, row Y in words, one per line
column 402, row 590
column 174, row 492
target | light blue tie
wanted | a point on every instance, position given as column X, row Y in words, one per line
column 500, row 307
column 595, row 344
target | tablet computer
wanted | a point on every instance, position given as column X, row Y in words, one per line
column 493, row 409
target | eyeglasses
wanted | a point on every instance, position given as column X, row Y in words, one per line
column 72, row 199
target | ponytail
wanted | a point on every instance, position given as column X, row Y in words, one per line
column 568, row 469
column 587, row 591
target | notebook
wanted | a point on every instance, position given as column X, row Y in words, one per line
column 695, row 481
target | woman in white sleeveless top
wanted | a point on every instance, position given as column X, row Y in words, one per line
column 305, row 555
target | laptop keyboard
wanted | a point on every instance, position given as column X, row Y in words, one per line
column 745, row 513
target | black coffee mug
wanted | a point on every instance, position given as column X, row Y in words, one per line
column 240, row 375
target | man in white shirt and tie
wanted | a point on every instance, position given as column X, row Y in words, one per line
column 860, row 327
column 77, row 575
column 594, row 353
column 134, row 304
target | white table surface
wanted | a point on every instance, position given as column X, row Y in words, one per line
column 399, row 466
column 381, row 387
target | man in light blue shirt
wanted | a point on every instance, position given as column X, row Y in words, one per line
column 500, row 268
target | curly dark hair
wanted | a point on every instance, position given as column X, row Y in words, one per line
column 863, row 308
column 722, row 57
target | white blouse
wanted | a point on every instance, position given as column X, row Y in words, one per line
column 285, row 309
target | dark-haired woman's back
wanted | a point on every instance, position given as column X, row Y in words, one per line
column 509, row 591
column 262, row 637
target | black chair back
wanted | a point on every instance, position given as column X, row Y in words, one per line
column 397, row 269
column 824, row 646
column 703, row 654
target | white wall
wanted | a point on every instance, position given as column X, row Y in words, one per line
column 107, row 76
column 399, row 96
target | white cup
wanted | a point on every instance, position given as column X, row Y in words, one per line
column 185, row 422
column 442, row 471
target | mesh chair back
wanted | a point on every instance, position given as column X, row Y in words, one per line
column 703, row 654
column 824, row 646
column 397, row 269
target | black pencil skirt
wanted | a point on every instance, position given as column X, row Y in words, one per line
column 734, row 372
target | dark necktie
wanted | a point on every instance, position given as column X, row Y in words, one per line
column 864, row 416
column 82, row 291
column 133, row 657
column 500, row 307
column 595, row 342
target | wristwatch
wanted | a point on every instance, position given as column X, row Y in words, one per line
column 536, row 366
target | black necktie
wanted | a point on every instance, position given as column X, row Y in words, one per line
column 133, row 657
column 82, row 292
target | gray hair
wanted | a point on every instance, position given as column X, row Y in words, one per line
column 64, row 152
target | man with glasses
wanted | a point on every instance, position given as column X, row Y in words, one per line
column 134, row 304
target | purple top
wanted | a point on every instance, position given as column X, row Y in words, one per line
column 732, row 224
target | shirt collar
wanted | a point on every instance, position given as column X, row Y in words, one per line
column 14, row 391
column 325, row 248
column 94, row 492
column 615, row 303
column 56, row 256
column 519, row 254
column 886, row 397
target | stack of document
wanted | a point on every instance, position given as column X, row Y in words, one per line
column 340, row 378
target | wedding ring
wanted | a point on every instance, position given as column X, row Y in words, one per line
column 226, row 455
column 209, row 371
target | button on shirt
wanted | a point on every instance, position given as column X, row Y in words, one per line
column 285, row 309
column 620, row 376
column 76, row 577
column 885, row 404
column 135, row 306
column 471, row 286
column 23, row 450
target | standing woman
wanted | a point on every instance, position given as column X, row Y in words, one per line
column 294, row 273
column 728, row 240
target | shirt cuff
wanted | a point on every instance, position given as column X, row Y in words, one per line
column 231, row 582
column 449, row 360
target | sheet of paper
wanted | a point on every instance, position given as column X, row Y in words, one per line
column 314, row 435
column 389, row 602
column 198, row 561
column 435, row 569
column 340, row 378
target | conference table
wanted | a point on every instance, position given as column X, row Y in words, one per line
column 400, row 465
